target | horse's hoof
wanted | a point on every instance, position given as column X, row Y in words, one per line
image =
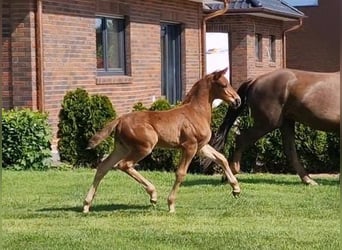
column 311, row 182
column 236, row 194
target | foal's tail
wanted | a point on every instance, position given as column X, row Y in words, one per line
column 101, row 135
column 219, row 139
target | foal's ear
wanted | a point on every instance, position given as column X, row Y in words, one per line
column 220, row 73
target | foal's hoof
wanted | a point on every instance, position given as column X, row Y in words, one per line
column 236, row 194
column 153, row 202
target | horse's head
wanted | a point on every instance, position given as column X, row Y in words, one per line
column 222, row 89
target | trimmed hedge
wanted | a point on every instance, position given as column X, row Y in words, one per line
column 80, row 117
column 26, row 137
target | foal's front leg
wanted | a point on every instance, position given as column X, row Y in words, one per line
column 218, row 158
column 187, row 155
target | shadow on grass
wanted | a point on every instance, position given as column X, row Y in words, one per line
column 250, row 180
column 260, row 180
column 98, row 208
column 293, row 182
column 327, row 182
column 205, row 181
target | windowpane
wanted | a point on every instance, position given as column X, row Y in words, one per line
column 272, row 48
column 113, row 42
column 99, row 43
column 110, row 54
column 258, row 47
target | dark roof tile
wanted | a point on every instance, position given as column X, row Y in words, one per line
column 277, row 6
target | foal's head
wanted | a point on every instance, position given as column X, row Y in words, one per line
column 221, row 88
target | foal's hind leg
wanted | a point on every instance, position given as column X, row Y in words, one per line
column 127, row 166
column 288, row 136
column 218, row 158
column 101, row 171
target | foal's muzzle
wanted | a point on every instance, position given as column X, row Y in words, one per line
column 236, row 103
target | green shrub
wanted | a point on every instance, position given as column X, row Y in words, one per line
column 80, row 117
column 26, row 137
column 160, row 104
column 139, row 106
column 319, row 151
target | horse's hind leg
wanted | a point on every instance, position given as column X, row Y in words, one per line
column 218, row 158
column 288, row 136
column 101, row 171
column 244, row 140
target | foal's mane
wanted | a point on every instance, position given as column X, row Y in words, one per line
column 195, row 88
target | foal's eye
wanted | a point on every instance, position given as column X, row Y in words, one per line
column 221, row 85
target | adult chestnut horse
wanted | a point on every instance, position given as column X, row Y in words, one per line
column 278, row 100
column 186, row 127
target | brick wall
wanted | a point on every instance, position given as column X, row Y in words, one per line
column 315, row 46
column 19, row 55
column 69, row 50
column 6, row 81
column 242, row 31
column 266, row 28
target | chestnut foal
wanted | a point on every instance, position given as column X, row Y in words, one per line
column 186, row 127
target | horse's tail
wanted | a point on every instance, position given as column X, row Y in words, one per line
column 219, row 139
column 101, row 135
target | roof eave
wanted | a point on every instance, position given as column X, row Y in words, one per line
column 267, row 13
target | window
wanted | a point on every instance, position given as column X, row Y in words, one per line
column 258, row 47
column 170, row 43
column 272, row 48
column 110, row 45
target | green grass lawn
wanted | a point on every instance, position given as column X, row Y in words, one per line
column 43, row 210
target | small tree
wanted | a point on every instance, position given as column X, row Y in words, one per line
column 80, row 117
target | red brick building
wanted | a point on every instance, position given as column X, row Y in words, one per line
column 131, row 51
column 316, row 44
column 257, row 31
